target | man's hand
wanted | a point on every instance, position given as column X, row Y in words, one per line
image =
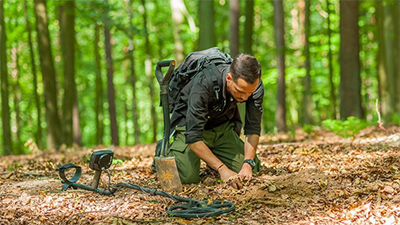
column 246, row 171
column 228, row 175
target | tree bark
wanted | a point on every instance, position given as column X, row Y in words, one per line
column 5, row 107
column 148, row 69
column 206, row 25
column 332, row 87
column 110, row 83
column 49, row 76
column 67, row 31
column 397, row 57
column 131, row 50
column 350, row 79
column 15, row 74
column 99, row 88
column 38, row 135
column 307, row 103
column 177, row 19
column 234, row 13
column 280, row 50
column 248, row 27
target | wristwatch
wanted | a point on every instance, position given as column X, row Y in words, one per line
column 250, row 162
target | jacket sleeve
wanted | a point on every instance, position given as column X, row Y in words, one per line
column 196, row 116
column 254, row 111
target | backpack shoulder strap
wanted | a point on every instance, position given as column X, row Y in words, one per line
column 212, row 71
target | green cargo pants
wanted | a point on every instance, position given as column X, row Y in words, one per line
column 223, row 141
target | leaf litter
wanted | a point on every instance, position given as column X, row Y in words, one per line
column 316, row 178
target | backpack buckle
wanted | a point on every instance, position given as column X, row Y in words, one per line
column 216, row 90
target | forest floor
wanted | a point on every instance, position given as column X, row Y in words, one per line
column 318, row 178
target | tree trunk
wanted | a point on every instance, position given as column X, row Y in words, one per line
column 380, row 63
column 388, row 48
column 126, row 121
column 5, row 107
column 148, row 69
column 17, row 98
column 307, row 103
column 177, row 19
column 248, row 27
column 67, row 39
column 99, row 88
column 206, row 24
column 350, row 80
column 280, row 50
column 135, row 111
column 234, row 13
column 332, row 87
column 38, row 135
column 110, row 83
column 49, row 76
column 397, row 57
column 76, row 125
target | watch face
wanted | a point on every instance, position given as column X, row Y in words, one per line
column 251, row 162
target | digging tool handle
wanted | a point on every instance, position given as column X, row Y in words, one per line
column 164, row 91
column 164, row 80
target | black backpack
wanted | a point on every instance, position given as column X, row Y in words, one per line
column 205, row 61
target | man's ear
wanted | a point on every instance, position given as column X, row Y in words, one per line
column 228, row 77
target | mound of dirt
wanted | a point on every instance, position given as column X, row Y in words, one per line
column 306, row 183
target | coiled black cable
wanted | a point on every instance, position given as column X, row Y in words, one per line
column 191, row 209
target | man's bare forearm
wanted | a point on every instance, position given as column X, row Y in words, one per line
column 250, row 146
column 204, row 153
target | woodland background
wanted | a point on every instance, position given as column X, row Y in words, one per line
column 82, row 72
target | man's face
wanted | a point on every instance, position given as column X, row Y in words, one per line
column 240, row 90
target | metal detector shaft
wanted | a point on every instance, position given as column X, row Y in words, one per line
column 96, row 179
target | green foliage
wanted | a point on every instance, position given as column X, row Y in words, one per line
column 308, row 128
column 346, row 128
column 396, row 118
column 86, row 158
column 13, row 167
column 117, row 161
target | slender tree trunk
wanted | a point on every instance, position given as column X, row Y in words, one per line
column 38, row 135
column 76, row 124
column 99, row 88
column 131, row 50
column 110, row 83
column 248, row 27
column 206, row 24
column 234, row 13
column 177, row 19
column 5, row 107
column 49, row 76
column 126, row 121
column 397, row 55
column 389, row 56
column 149, row 74
column 350, row 80
column 67, row 23
column 332, row 87
column 280, row 50
column 307, row 103
column 17, row 98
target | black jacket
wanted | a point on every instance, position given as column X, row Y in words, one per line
column 198, row 108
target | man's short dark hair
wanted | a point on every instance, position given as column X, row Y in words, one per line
column 246, row 67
